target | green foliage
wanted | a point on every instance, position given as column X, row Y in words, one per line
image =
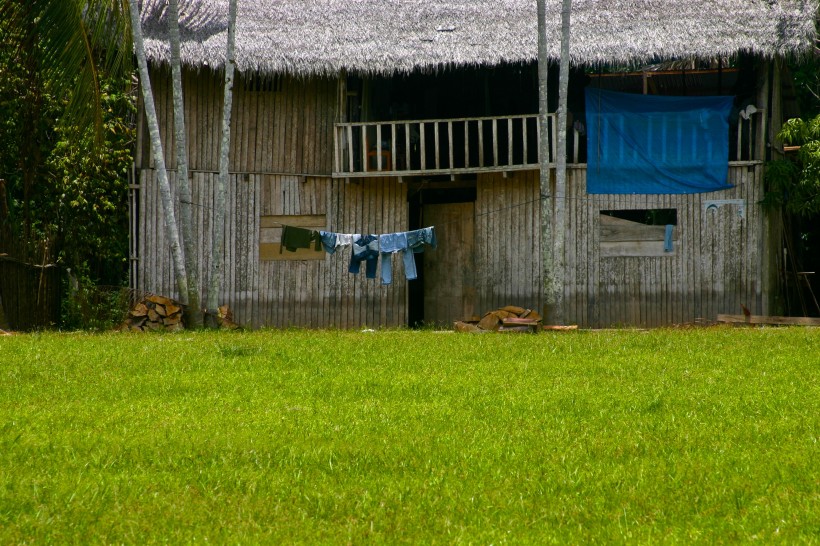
column 794, row 184
column 88, row 189
column 696, row 436
column 65, row 174
column 94, row 307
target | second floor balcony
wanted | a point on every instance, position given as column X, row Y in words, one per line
column 487, row 144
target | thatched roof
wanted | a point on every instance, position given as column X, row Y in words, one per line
column 383, row 36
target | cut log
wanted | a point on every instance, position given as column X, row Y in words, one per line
column 514, row 309
column 461, row 326
column 139, row 310
column 490, row 322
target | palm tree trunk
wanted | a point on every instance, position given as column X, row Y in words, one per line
column 544, row 161
column 193, row 312
column 157, row 151
column 222, row 182
column 560, row 204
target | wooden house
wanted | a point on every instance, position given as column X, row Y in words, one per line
column 380, row 117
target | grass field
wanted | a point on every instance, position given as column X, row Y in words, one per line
column 667, row 436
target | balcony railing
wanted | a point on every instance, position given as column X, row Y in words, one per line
column 439, row 146
column 469, row 145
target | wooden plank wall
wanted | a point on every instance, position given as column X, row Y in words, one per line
column 717, row 262
column 508, row 241
column 281, row 155
column 282, row 126
column 315, row 293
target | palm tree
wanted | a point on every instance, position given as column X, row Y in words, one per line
column 193, row 314
column 69, row 41
column 553, row 204
column 222, row 182
column 156, row 147
column 63, row 43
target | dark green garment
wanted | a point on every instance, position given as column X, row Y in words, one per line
column 294, row 237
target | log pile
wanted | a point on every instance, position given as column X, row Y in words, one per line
column 507, row 319
column 154, row 313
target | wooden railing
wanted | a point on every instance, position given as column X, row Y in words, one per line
column 464, row 145
column 443, row 146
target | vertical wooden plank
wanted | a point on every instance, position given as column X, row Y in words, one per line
column 525, row 157
column 422, row 147
column 350, row 149
column 407, row 149
column 450, row 143
column 509, row 141
column 480, row 124
column 393, row 151
column 337, row 151
column 365, row 166
column 379, row 147
column 466, row 143
column 436, row 142
column 495, row 142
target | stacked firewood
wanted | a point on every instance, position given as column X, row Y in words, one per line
column 506, row 319
column 154, row 313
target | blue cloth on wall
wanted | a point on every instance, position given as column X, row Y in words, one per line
column 656, row 144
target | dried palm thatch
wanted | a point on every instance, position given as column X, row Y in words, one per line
column 323, row 37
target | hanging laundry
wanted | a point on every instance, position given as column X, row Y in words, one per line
column 365, row 248
column 408, row 243
column 331, row 241
column 296, row 237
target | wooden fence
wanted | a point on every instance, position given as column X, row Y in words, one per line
column 30, row 285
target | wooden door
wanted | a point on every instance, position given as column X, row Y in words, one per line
column 449, row 271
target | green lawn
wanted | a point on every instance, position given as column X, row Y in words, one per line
column 666, row 436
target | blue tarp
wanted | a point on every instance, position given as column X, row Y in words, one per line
column 656, row 144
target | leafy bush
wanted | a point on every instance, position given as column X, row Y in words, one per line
column 794, row 183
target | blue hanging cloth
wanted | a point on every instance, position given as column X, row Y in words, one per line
column 656, row 144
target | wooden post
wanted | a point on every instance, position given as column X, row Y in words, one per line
column 776, row 110
column 509, row 141
column 407, row 149
column 350, row 148
column 421, row 147
column 450, row 142
column 495, row 142
column 466, row 143
column 480, row 143
column 392, row 146
column 436, row 140
column 379, row 147
column 364, row 148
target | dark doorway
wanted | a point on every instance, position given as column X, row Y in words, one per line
column 444, row 275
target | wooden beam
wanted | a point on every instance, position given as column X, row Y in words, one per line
column 762, row 319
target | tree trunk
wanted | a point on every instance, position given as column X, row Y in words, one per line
column 557, row 275
column 193, row 311
column 544, row 160
column 222, row 182
column 156, row 149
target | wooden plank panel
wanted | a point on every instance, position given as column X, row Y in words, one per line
column 315, row 221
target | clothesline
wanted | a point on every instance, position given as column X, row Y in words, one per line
column 365, row 247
